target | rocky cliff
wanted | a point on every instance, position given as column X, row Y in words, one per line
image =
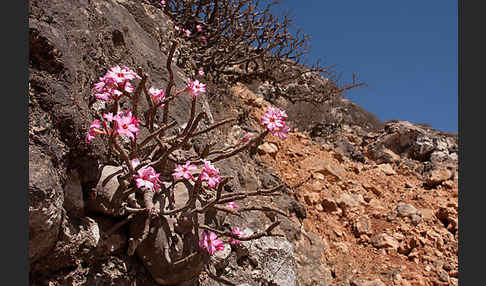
column 366, row 203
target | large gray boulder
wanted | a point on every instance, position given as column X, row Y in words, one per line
column 275, row 260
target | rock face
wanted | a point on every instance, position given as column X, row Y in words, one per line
column 276, row 263
column 413, row 141
column 73, row 195
column 307, row 256
column 72, row 44
column 45, row 204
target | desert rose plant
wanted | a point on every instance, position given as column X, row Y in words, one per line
column 148, row 195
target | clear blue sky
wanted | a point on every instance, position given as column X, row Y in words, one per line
column 405, row 50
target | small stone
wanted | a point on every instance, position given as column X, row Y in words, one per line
column 373, row 188
column 383, row 240
column 362, row 225
column 268, row 148
column 443, row 276
column 398, row 236
column 437, row 176
column 416, row 219
column 317, row 187
column 329, row 205
column 406, row 210
column 312, row 198
column 333, row 173
column 448, row 184
column 319, row 176
column 387, row 169
column 376, row 282
column 342, row 247
column 350, row 201
column 375, row 204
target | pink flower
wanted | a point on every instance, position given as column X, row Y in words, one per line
column 281, row 132
column 231, row 205
column 134, row 162
column 103, row 96
column 274, row 118
column 94, row 128
column 162, row 2
column 148, row 178
column 100, row 86
column 210, row 174
column 115, row 81
column 195, row 87
column 188, row 33
column 184, row 171
column 198, row 87
column 108, row 116
column 89, row 137
column 200, row 72
column 122, row 74
column 157, row 94
column 236, row 231
column 199, row 28
column 211, row 243
column 247, row 138
column 117, row 74
column 176, row 28
column 129, row 87
column 116, row 93
column 126, row 124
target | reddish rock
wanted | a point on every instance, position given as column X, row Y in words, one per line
column 312, row 198
column 383, row 240
column 329, row 205
column 362, row 225
column 387, row 169
column 437, row 176
column 268, row 148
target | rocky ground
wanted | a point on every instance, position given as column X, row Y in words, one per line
column 382, row 216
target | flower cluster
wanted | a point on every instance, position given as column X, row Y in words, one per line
column 94, row 128
column 236, row 231
column 186, row 31
column 210, row 242
column 157, row 95
column 194, row 88
column 114, row 83
column 184, row 171
column 209, row 173
column 275, row 120
column 123, row 124
column 146, row 177
column 231, row 205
